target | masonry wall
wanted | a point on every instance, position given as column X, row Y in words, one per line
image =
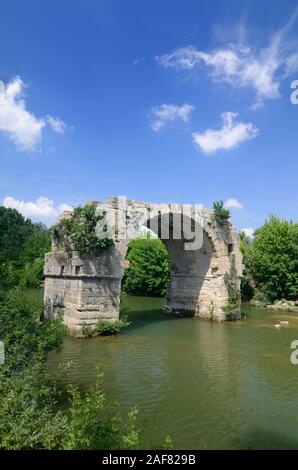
column 85, row 289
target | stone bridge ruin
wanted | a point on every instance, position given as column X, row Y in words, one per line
column 84, row 289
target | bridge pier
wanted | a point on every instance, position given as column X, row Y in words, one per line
column 84, row 289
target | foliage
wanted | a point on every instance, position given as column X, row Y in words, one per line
column 231, row 308
column 80, row 231
column 259, row 298
column 29, row 407
column 22, row 248
column 26, row 339
column 221, row 215
column 15, row 231
column 274, row 259
column 247, row 282
column 148, row 271
column 94, row 424
column 28, row 396
column 105, row 328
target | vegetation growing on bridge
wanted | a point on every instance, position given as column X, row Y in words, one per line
column 270, row 258
column 105, row 328
column 80, row 230
column 233, row 304
column 221, row 215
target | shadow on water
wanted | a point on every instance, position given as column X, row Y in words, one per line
column 266, row 439
column 140, row 319
column 145, row 311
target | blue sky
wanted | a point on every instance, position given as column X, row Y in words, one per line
column 162, row 101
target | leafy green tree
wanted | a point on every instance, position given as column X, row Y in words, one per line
column 37, row 244
column 247, row 282
column 274, row 259
column 15, row 231
column 148, row 271
column 22, row 248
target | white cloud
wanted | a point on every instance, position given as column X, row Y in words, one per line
column 42, row 209
column 64, row 207
column 233, row 203
column 241, row 65
column 249, row 232
column 21, row 126
column 165, row 113
column 56, row 124
column 229, row 136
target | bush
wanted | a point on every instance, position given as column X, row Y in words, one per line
column 104, row 328
column 232, row 306
column 148, row 271
column 29, row 418
column 221, row 215
column 79, row 231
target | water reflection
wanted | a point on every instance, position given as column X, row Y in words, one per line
column 206, row 384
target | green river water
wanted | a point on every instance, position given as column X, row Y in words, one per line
column 208, row 385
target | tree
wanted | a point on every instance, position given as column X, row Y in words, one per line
column 247, row 282
column 148, row 271
column 221, row 215
column 274, row 259
column 22, row 248
column 14, row 233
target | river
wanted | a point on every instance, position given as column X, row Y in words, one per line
column 208, row 385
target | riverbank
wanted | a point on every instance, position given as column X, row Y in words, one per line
column 280, row 305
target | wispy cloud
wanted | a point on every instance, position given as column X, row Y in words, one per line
column 233, row 203
column 232, row 134
column 20, row 125
column 165, row 113
column 56, row 124
column 43, row 209
column 242, row 65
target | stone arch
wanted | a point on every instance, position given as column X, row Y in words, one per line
column 85, row 289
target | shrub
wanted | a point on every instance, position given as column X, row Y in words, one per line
column 148, row 271
column 105, row 328
column 232, row 306
column 79, row 231
column 221, row 215
column 29, row 395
